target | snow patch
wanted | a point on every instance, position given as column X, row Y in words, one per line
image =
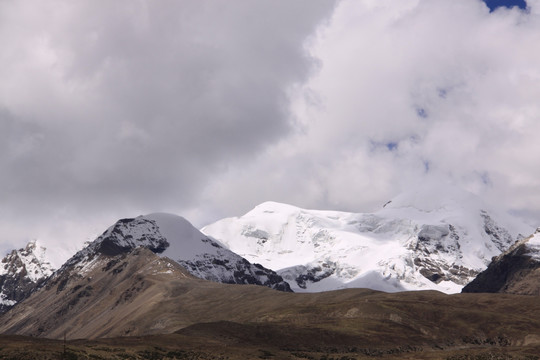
column 5, row 301
column 533, row 246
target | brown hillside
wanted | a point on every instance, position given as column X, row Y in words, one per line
column 140, row 294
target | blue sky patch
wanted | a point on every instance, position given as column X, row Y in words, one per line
column 494, row 4
column 427, row 166
column 421, row 112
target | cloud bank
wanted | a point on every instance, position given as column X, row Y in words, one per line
column 410, row 93
column 206, row 110
column 119, row 108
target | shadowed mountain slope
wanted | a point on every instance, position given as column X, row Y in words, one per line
column 516, row 271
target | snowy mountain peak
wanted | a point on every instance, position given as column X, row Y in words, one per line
column 21, row 271
column 30, row 261
column 174, row 237
column 273, row 207
column 415, row 241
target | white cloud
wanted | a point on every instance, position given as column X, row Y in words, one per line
column 409, row 93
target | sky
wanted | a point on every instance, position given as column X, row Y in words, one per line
column 494, row 4
column 116, row 109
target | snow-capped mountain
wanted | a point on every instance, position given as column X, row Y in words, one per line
column 515, row 271
column 21, row 272
column 416, row 241
column 174, row 237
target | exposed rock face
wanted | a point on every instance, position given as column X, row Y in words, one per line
column 21, row 272
column 303, row 275
column 500, row 236
column 233, row 269
column 516, row 271
column 128, row 234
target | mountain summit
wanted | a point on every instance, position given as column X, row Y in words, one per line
column 174, row 237
column 21, row 271
column 414, row 242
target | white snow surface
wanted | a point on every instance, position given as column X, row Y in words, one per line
column 385, row 250
column 34, row 261
column 5, row 301
column 185, row 241
column 533, row 245
column 204, row 257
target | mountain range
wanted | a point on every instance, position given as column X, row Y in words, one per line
column 156, row 275
column 410, row 244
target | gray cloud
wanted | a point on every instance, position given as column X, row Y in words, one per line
column 134, row 106
column 110, row 110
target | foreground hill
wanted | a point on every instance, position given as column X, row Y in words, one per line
column 416, row 241
column 141, row 294
column 132, row 293
column 233, row 341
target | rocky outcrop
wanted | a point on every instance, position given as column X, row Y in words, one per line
column 235, row 271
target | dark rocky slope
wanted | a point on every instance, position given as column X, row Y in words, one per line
column 516, row 271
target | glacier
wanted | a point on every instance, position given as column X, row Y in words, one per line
column 415, row 242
